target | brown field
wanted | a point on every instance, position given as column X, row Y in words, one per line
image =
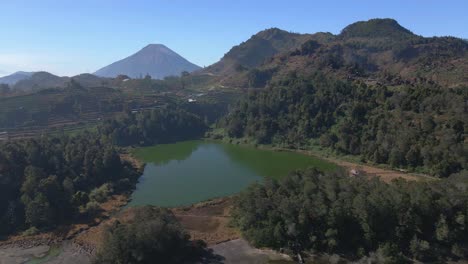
column 208, row 221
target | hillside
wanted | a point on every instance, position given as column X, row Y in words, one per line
column 376, row 91
column 30, row 82
column 374, row 51
column 155, row 59
column 15, row 77
column 253, row 52
column 40, row 80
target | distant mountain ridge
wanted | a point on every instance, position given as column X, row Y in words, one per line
column 254, row 51
column 156, row 60
column 40, row 80
column 15, row 77
column 35, row 81
column 373, row 51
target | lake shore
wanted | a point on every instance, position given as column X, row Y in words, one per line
column 207, row 220
column 370, row 170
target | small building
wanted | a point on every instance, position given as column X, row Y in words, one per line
column 190, row 100
column 355, row 172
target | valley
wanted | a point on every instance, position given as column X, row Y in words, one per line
column 348, row 147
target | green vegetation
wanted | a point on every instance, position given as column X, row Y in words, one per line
column 332, row 213
column 49, row 181
column 66, row 105
column 419, row 128
column 376, row 92
column 153, row 236
column 153, row 127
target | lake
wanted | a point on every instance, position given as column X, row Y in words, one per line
column 192, row 171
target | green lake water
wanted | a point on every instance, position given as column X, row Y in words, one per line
column 192, row 171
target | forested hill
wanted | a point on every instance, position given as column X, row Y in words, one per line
column 421, row 128
column 378, row 50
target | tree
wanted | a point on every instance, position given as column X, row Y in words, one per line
column 38, row 212
column 334, row 213
column 153, row 236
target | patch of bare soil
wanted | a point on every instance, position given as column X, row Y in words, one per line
column 239, row 251
column 386, row 175
column 132, row 160
column 208, row 221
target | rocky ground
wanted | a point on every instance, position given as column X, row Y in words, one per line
column 239, row 251
column 66, row 252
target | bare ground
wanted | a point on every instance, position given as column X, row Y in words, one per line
column 208, row 221
column 239, row 251
column 385, row 174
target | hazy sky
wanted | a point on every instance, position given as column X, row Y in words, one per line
column 67, row 37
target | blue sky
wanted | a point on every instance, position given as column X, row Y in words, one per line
column 68, row 37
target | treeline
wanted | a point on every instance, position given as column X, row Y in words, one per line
column 153, row 236
column 163, row 125
column 421, row 127
column 313, row 212
column 47, row 181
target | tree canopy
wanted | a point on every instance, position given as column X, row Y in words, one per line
column 46, row 181
column 153, row 236
column 310, row 211
column 419, row 128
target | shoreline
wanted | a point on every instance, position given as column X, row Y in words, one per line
column 206, row 220
column 385, row 173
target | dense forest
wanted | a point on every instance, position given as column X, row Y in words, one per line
column 315, row 212
column 153, row 236
column 163, row 125
column 419, row 127
column 48, row 181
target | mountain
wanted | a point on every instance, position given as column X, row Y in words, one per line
column 256, row 50
column 40, row 80
column 373, row 51
column 15, row 77
column 375, row 28
column 155, row 59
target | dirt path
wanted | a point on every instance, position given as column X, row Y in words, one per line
column 385, row 174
